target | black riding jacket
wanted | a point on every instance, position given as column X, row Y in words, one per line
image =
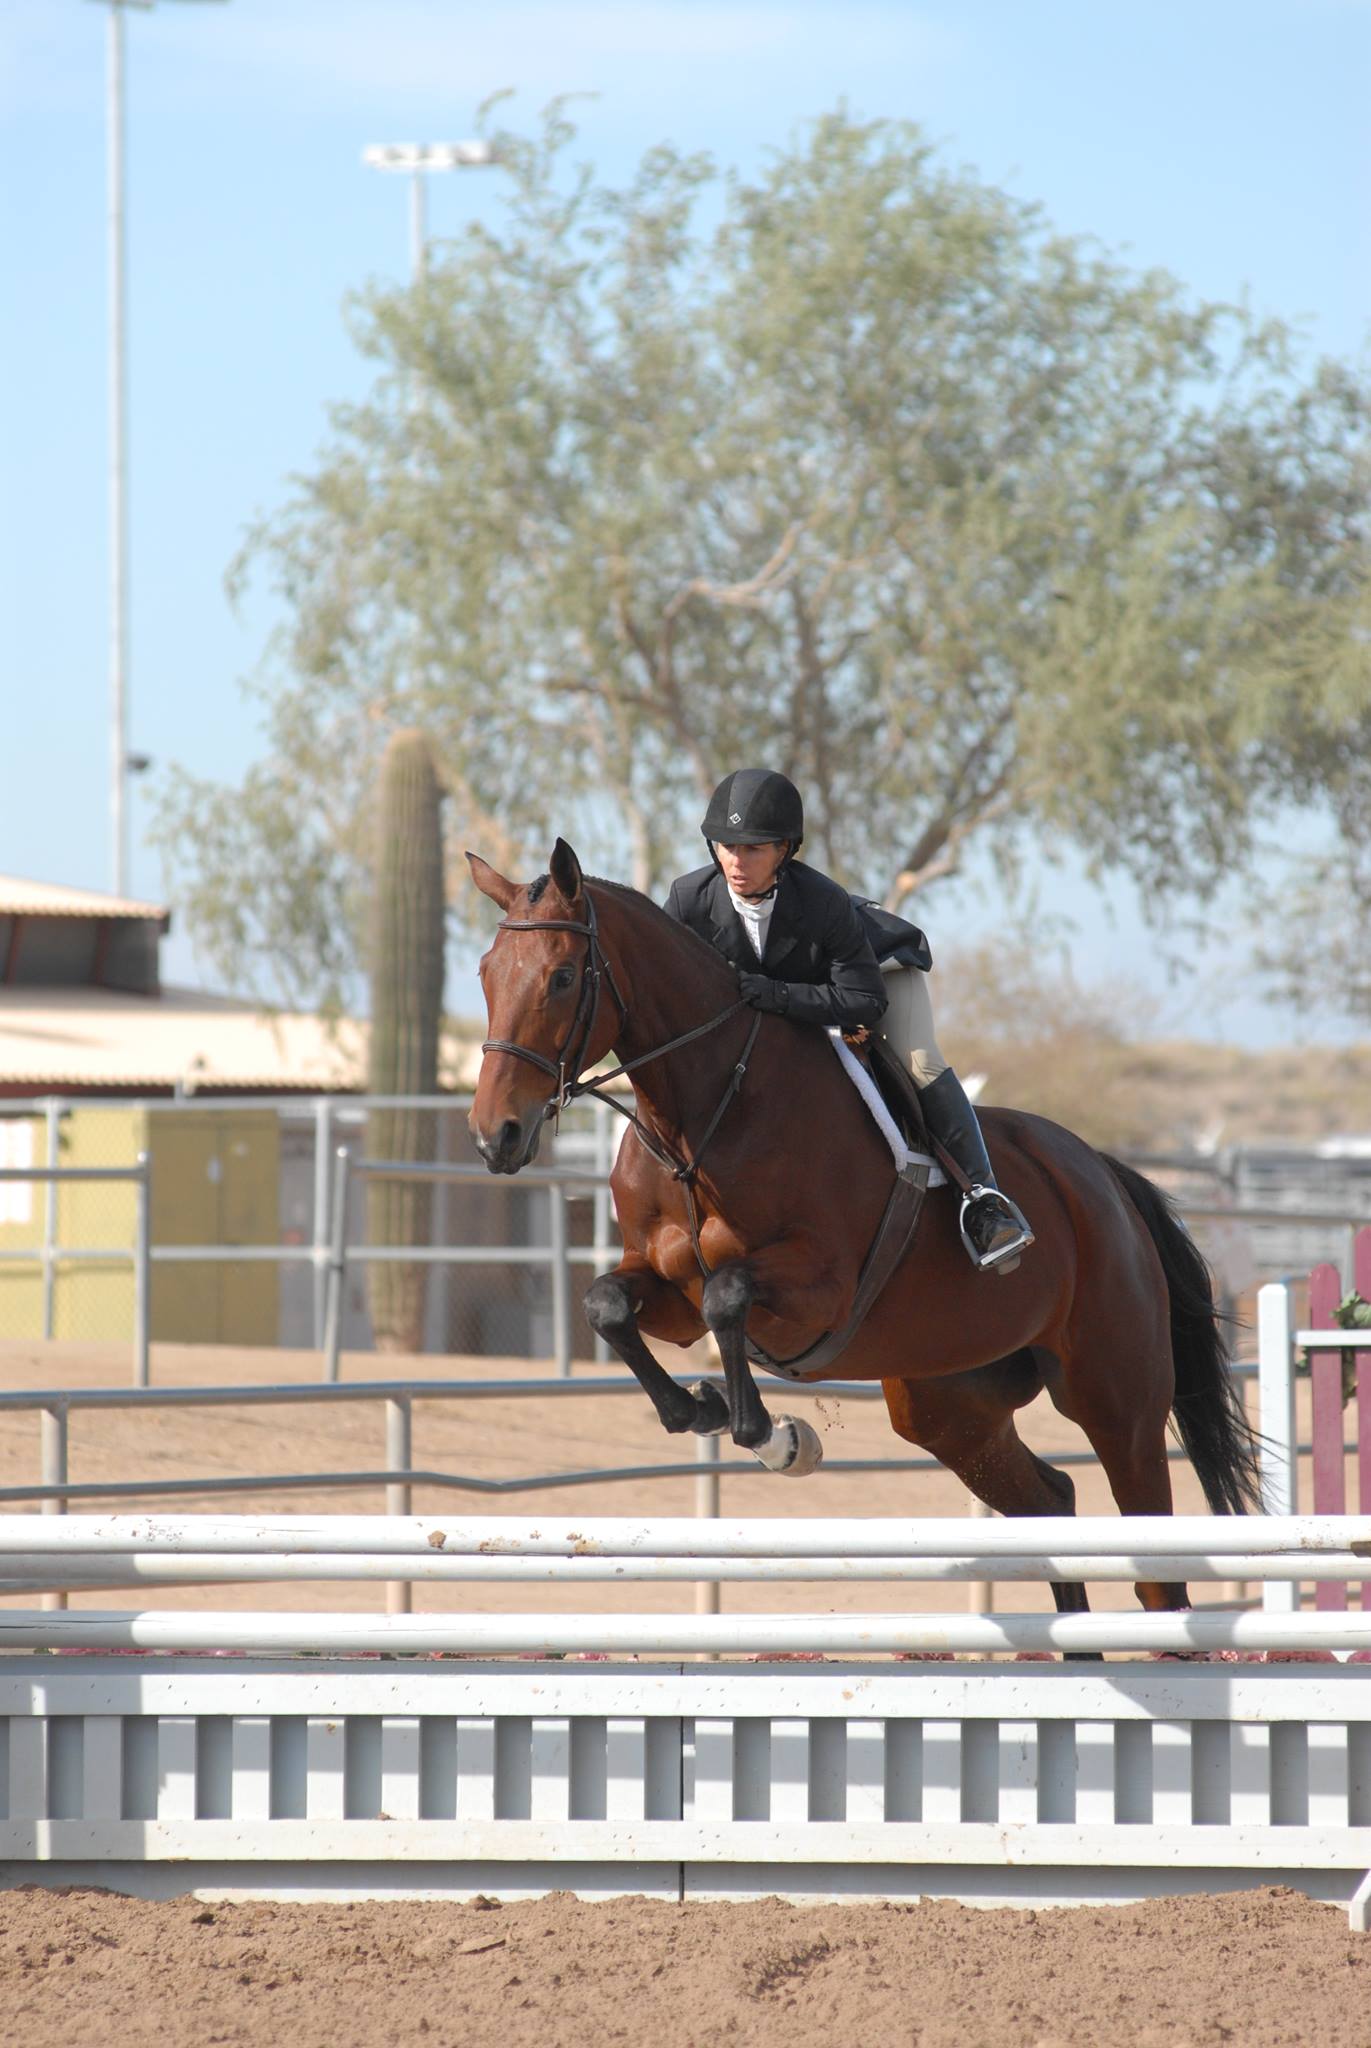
column 817, row 944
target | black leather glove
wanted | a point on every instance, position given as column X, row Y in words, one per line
column 765, row 994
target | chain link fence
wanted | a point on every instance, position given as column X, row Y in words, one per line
column 67, row 1244
column 255, row 1175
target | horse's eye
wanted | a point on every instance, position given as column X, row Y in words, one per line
column 562, row 979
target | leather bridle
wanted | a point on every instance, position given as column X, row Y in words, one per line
column 565, row 1066
column 598, row 968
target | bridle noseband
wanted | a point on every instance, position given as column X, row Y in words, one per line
column 565, row 1067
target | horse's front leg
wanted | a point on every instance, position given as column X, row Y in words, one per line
column 786, row 1445
column 617, row 1306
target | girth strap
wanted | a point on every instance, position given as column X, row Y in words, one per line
column 894, row 1235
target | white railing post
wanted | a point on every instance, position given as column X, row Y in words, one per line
column 52, row 1426
column 1276, row 1390
column 980, row 1594
column 52, row 1118
column 707, row 1506
column 337, row 1265
column 142, row 1273
column 323, row 1131
column 605, row 1250
column 561, row 1281
column 399, row 1458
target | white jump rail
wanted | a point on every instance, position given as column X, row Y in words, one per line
column 94, row 1552
column 401, row 1772
column 1150, row 1539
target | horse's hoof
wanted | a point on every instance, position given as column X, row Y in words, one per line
column 713, row 1417
column 792, row 1447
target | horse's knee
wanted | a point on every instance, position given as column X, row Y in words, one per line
column 610, row 1307
column 726, row 1298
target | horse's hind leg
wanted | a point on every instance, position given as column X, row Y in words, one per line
column 967, row 1423
column 1124, row 1416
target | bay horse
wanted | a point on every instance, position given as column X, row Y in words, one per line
column 748, row 1189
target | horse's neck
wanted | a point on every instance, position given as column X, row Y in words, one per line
column 671, row 984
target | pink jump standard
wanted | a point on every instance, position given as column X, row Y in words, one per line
column 1326, row 1399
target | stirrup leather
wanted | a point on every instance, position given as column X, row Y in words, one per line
column 1004, row 1256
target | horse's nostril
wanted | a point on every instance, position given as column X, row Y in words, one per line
column 511, row 1131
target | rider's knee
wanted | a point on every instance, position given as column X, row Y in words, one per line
column 925, row 1065
column 726, row 1298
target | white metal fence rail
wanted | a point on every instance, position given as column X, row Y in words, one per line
column 328, row 1244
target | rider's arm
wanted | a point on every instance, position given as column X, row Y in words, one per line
column 855, row 991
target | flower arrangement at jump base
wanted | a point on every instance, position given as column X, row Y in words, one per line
column 1353, row 1312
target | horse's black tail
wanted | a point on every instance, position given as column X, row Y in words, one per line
column 1208, row 1412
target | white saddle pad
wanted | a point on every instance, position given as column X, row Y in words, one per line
column 885, row 1122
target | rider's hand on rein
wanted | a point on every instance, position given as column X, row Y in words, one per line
column 765, row 994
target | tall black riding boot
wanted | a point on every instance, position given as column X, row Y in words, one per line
column 994, row 1229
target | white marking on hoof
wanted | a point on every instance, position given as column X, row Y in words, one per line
column 792, row 1447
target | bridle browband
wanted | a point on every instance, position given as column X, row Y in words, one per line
column 565, row 1067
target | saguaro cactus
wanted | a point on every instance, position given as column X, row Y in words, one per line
column 407, row 932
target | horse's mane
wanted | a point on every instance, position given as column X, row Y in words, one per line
column 705, row 957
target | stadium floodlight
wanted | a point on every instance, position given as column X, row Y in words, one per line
column 118, row 442
column 418, row 159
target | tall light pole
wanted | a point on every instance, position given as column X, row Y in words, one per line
column 119, row 765
column 418, row 159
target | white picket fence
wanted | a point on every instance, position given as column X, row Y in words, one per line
column 325, row 1774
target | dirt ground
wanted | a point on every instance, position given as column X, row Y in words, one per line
column 496, row 1438
column 1266, row 1969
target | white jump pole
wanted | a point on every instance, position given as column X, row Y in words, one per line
column 1276, row 1392
column 183, row 1568
column 488, row 1635
column 1141, row 1537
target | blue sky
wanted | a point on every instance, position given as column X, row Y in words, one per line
column 1225, row 141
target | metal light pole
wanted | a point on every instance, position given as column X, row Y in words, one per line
column 118, row 441
column 419, row 158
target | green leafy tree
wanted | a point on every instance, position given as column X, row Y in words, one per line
column 858, row 469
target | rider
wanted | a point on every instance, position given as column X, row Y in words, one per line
column 763, row 909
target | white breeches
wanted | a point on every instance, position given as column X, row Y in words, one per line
column 908, row 1022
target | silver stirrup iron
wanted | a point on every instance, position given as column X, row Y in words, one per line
column 1006, row 1259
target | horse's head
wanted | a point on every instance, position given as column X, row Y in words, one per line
column 550, row 1012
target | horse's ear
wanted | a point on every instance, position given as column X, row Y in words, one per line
column 490, row 883
column 565, row 870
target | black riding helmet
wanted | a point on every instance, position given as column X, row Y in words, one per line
column 754, row 804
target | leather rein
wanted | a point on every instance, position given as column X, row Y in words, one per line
column 565, row 1067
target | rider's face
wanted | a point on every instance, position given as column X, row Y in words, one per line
column 751, row 870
